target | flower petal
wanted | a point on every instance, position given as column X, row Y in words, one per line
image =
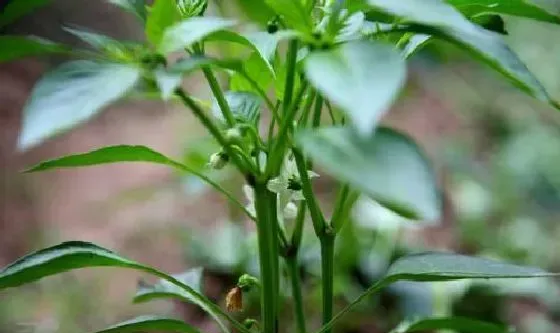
column 297, row 196
column 312, row 174
column 277, row 185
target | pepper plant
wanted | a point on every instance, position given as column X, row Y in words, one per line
column 307, row 98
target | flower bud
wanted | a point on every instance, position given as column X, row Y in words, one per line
column 234, row 299
column 218, row 160
column 233, row 135
column 290, row 211
column 246, row 282
column 190, row 8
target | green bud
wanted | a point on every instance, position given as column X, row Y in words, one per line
column 234, row 135
column 246, row 282
column 191, row 8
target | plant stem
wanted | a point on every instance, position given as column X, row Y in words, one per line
column 319, row 223
column 212, row 128
column 317, row 111
column 293, row 268
column 297, row 234
column 291, row 74
column 265, row 204
column 219, row 94
column 339, row 206
column 327, row 275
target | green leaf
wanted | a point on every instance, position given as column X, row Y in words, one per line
column 433, row 267
column 106, row 155
column 362, row 78
column 150, row 323
column 111, row 47
column 254, row 69
column 245, row 106
column 164, row 289
column 136, row 7
column 415, row 43
column 185, row 33
column 387, row 166
column 255, row 11
column 74, row 255
column 162, row 15
column 294, row 14
column 521, row 8
column 264, row 43
column 465, row 325
column 484, row 44
column 72, row 94
column 17, row 47
column 16, row 9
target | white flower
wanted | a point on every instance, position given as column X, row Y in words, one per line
column 218, row 161
column 288, row 186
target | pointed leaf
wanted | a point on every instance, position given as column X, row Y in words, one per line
column 58, row 259
column 244, row 105
column 484, row 44
column 113, row 48
column 387, row 166
column 363, row 78
column 106, row 155
column 415, row 43
column 72, row 94
column 162, row 15
column 165, row 290
column 136, row 7
column 17, row 47
column 465, row 325
column 74, row 255
column 521, row 8
column 150, row 323
column 16, row 9
column 185, row 33
column 433, row 266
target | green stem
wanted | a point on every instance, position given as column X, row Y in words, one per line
column 265, row 204
column 327, row 275
column 291, row 74
column 339, row 206
column 279, row 147
column 212, row 128
column 297, row 234
column 219, row 94
column 317, row 111
column 302, row 123
column 371, row 290
column 299, row 313
column 319, row 223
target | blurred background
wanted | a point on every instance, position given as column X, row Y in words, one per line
column 496, row 152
